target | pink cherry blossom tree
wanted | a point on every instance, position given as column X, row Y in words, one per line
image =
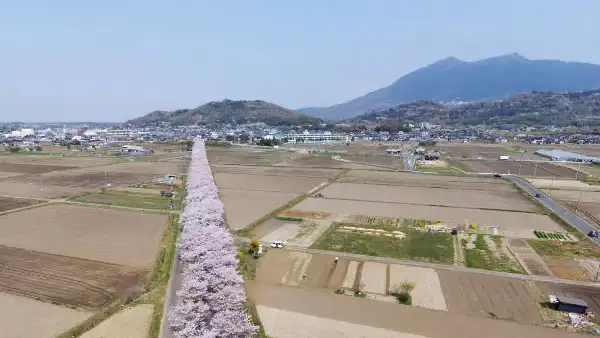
column 211, row 299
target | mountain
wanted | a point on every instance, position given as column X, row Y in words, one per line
column 494, row 78
column 545, row 108
column 228, row 112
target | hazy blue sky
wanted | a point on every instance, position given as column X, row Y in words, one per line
column 112, row 60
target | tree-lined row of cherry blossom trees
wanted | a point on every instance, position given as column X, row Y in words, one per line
column 210, row 301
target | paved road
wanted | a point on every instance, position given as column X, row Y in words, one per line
column 171, row 296
column 574, row 220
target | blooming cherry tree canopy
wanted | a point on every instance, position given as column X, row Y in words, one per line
column 211, row 299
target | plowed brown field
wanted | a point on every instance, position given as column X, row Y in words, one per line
column 73, row 282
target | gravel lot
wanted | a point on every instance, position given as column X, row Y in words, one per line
column 28, row 318
column 504, row 219
column 132, row 322
column 429, row 196
column 427, row 292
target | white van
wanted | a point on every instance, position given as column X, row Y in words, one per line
column 278, row 244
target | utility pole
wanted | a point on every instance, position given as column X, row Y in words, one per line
column 534, row 170
column 579, row 199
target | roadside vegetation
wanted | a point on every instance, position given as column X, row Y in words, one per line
column 561, row 249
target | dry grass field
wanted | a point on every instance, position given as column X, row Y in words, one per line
column 500, row 200
column 99, row 234
column 28, row 318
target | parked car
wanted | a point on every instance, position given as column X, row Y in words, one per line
column 497, row 175
column 537, row 195
column 167, row 193
column 278, row 244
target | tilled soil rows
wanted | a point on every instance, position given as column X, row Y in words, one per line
column 8, row 203
column 63, row 280
column 488, row 296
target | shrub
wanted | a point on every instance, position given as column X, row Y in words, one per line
column 212, row 296
column 403, row 298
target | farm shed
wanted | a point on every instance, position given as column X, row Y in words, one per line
column 568, row 304
column 561, row 155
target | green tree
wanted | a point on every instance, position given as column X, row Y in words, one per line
column 244, row 138
column 254, row 246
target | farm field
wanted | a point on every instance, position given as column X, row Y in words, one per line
column 30, row 168
column 125, row 198
column 64, row 261
column 131, row 322
column 9, row 203
column 247, row 156
column 489, row 253
column 72, row 282
column 544, row 183
column 487, row 151
column 303, row 306
column 275, row 171
column 111, row 236
column 569, row 260
column 590, row 295
column 28, row 318
column 405, row 243
column 395, row 162
column 488, row 296
column 537, row 169
column 500, row 200
column 515, row 222
column 285, row 184
column 243, row 207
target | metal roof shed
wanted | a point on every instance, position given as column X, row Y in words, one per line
column 571, row 305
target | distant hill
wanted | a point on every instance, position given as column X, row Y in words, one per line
column 448, row 79
column 545, row 108
column 228, row 112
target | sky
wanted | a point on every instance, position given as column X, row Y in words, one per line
column 109, row 61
